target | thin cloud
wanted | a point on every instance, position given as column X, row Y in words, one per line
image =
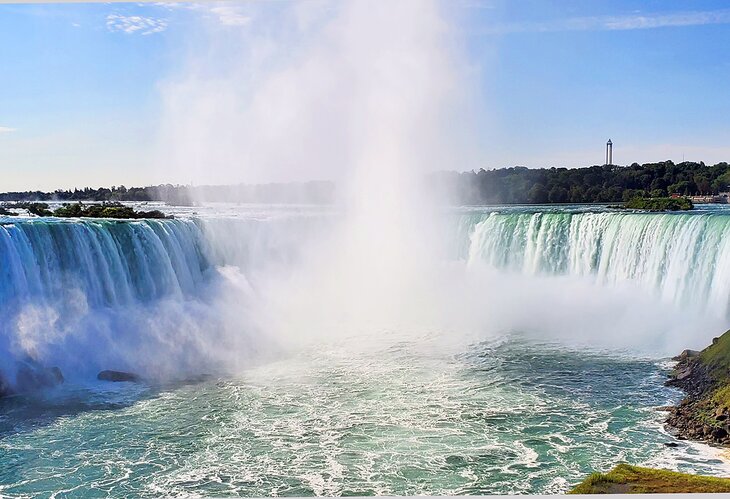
column 134, row 24
column 230, row 16
column 227, row 14
column 618, row 23
column 7, row 129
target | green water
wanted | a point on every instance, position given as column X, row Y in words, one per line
column 373, row 412
column 384, row 415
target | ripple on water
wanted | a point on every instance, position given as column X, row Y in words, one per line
column 502, row 417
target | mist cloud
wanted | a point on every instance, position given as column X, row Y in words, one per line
column 297, row 91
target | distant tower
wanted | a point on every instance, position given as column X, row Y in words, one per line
column 609, row 153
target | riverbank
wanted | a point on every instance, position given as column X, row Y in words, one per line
column 704, row 414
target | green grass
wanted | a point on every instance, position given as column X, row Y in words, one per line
column 721, row 397
column 717, row 357
column 627, row 479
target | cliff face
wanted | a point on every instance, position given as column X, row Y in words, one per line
column 704, row 414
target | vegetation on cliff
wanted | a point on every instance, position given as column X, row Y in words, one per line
column 704, row 414
column 37, row 209
column 627, row 479
column 659, row 204
column 103, row 210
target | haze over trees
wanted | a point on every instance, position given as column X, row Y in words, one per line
column 515, row 185
column 315, row 192
column 594, row 184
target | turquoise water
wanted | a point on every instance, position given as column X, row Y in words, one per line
column 406, row 416
column 487, row 404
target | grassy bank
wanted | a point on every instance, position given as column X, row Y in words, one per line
column 627, row 479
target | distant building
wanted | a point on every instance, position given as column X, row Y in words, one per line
column 721, row 198
column 609, row 153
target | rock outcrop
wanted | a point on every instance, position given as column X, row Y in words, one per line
column 5, row 388
column 32, row 376
column 704, row 414
column 118, row 376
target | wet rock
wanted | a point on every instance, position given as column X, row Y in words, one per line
column 32, row 376
column 719, row 434
column 671, row 444
column 5, row 388
column 686, row 354
column 118, row 376
column 697, row 416
column 57, row 374
column 684, row 373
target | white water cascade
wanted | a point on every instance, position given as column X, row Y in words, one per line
column 165, row 297
column 681, row 258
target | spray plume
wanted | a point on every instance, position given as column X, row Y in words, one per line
column 369, row 94
column 373, row 95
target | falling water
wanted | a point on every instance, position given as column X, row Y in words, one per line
column 681, row 258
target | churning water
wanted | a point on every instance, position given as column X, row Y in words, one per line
column 232, row 410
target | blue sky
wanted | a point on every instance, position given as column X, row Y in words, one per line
column 81, row 85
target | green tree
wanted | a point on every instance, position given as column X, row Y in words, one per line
column 558, row 194
column 538, row 194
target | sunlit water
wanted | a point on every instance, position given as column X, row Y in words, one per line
column 420, row 412
column 412, row 416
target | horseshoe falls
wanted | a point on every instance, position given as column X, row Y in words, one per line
column 154, row 296
column 113, row 263
column 682, row 258
column 519, row 373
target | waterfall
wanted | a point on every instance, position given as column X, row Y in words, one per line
column 114, row 263
column 164, row 297
column 159, row 297
column 681, row 258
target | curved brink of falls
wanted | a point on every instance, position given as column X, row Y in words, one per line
column 682, row 258
column 114, row 263
column 159, row 296
column 146, row 296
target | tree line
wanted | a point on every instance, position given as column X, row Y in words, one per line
column 515, row 185
column 593, row 184
column 314, row 192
